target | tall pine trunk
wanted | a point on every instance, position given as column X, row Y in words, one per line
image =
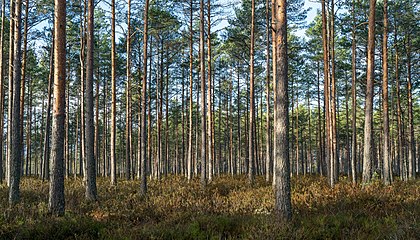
column 368, row 131
column 283, row 205
column 56, row 202
column 2, row 82
column 91, row 191
column 251, row 139
column 203, row 180
column 15, row 151
column 143, row 172
column 386, row 148
column 113, row 159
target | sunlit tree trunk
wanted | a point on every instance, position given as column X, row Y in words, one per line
column 333, row 110
column 328, row 148
column 368, row 132
column 283, row 206
column 190, row 122
column 56, row 202
column 251, row 138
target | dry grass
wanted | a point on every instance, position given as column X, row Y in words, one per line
column 228, row 208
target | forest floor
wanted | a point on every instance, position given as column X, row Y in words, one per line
column 228, row 208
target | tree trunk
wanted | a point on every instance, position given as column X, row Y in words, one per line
column 113, row 160
column 143, row 179
column 411, row 143
column 353, row 98
column 251, row 139
column 209, row 100
column 56, row 203
column 368, row 132
column 46, row 154
column 274, row 56
column 82, row 164
column 333, row 116
column 2, row 60
column 386, row 148
column 283, row 206
column 96, row 137
column 190, row 129
column 22, row 83
column 15, row 152
column 328, row 146
column 203, row 180
column 128, row 98
column 10, row 97
column 91, row 192
column 268, row 164
column 320, row 157
column 238, row 87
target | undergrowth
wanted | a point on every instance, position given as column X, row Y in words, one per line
column 228, row 209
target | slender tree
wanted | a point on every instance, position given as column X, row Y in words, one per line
column 190, row 128
column 353, row 97
column 368, row 131
column 386, row 148
column 23, row 74
column 46, row 157
column 12, row 21
column 15, row 151
column 268, row 133
column 3, row 18
column 411, row 143
column 56, row 203
column 203, row 101
column 143, row 172
column 209, row 95
column 113, row 159
column 251, row 139
column 128, row 97
column 91, row 192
